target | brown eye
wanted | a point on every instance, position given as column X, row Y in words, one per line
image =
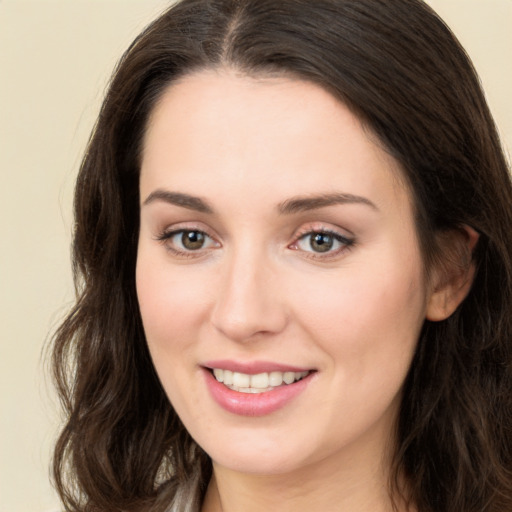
column 321, row 242
column 183, row 242
column 192, row 240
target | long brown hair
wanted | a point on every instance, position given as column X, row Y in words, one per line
column 401, row 70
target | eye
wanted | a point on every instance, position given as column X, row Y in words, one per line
column 187, row 240
column 191, row 240
column 322, row 242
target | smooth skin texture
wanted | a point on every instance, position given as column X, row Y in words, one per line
column 263, row 274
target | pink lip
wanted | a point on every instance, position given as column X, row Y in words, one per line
column 252, row 367
column 249, row 404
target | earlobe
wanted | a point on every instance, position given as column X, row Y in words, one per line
column 454, row 273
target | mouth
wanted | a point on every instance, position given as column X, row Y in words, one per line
column 257, row 383
column 255, row 388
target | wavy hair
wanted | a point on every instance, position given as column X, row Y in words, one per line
column 401, row 70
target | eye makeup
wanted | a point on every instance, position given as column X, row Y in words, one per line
column 318, row 243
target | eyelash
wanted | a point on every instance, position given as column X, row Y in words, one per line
column 346, row 243
column 166, row 236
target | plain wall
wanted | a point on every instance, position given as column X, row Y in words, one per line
column 55, row 59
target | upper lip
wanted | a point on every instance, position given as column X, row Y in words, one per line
column 253, row 367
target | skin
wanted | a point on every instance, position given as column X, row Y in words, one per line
column 257, row 290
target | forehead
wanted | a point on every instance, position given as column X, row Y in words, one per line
column 249, row 133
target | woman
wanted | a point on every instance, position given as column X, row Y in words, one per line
column 293, row 262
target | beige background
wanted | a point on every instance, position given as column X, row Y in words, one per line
column 55, row 59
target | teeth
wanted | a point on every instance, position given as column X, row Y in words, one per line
column 258, row 383
column 275, row 378
column 288, row 377
column 241, row 380
column 227, row 378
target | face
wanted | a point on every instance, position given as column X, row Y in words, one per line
column 278, row 254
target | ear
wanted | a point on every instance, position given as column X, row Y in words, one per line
column 453, row 272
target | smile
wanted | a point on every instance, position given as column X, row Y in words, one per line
column 249, row 390
column 258, row 383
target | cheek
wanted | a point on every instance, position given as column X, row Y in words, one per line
column 170, row 301
column 368, row 325
column 170, row 307
column 370, row 316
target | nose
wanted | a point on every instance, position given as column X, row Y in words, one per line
column 249, row 299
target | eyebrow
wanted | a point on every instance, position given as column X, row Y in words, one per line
column 303, row 204
column 293, row 205
column 179, row 199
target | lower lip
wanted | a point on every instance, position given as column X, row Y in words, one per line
column 254, row 404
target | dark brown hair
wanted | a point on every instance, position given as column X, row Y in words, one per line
column 400, row 69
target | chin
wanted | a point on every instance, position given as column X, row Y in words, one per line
column 261, row 451
column 260, row 463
